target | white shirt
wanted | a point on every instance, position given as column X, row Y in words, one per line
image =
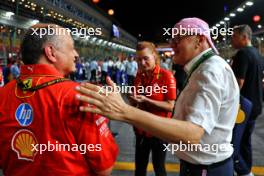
column 118, row 65
column 164, row 65
column 93, row 65
column 131, row 68
column 210, row 100
column 110, row 63
column 87, row 65
column 123, row 66
column 105, row 66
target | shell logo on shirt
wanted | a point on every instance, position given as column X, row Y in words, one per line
column 22, row 143
column 24, row 114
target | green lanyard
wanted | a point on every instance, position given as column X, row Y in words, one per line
column 203, row 58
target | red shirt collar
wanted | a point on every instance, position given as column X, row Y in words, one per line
column 40, row 70
column 156, row 69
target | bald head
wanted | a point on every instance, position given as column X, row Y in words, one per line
column 37, row 37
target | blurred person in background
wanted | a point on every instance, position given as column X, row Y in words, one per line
column 180, row 76
column 93, row 68
column 248, row 68
column 118, row 71
column 110, row 68
column 14, row 69
column 131, row 70
column 104, row 71
column 123, row 77
column 164, row 64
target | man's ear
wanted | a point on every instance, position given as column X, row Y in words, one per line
column 49, row 52
column 202, row 38
column 243, row 36
column 198, row 41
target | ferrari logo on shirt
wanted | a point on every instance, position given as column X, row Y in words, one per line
column 22, row 143
column 27, row 83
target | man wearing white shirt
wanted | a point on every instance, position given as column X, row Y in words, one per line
column 205, row 111
column 210, row 82
column 123, row 72
column 118, row 66
column 104, row 71
column 93, row 68
column 164, row 64
column 87, row 69
column 131, row 70
column 110, row 67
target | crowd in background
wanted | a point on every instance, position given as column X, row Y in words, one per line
column 121, row 70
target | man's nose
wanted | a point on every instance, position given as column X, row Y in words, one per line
column 76, row 54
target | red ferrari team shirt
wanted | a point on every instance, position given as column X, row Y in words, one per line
column 161, row 86
column 44, row 133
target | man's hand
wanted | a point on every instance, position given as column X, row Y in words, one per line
column 109, row 104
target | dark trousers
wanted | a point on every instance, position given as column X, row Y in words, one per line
column 243, row 151
column 103, row 77
column 130, row 80
column 242, row 139
column 224, row 168
column 93, row 76
column 143, row 147
column 118, row 77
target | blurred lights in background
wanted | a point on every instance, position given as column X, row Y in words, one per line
column 96, row 1
column 249, row 3
column 9, row 14
column 240, row 9
column 169, row 53
column 111, row 12
column 256, row 18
